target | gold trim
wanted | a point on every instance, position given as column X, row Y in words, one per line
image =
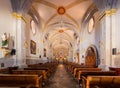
column 26, row 45
column 110, row 12
column 113, row 11
column 107, row 13
column 23, row 19
column 18, row 16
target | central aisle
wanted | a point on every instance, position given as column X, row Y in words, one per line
column 61, row 79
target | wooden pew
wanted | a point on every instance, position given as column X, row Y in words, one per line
column 46, row 71
column 15, row 80
column 4, row 71
column 8, row 70
column 101, row 82
column 49, row 66
column 34, row 72
column 115, row 69
column 76, row 71
column 93, row 73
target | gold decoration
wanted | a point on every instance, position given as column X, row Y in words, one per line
column 61, row 31
column 18, row 16
column 61, row 10
column 26, row 45
column 5, row 52
column 110, row 12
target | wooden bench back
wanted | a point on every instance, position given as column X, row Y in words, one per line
column 15, row 80
column 102, row 82
column 35, row 72
column 115, row 69
column 4, row 71
column 85, row 69
column 95, row 73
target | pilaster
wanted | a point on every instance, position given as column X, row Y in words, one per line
column 20, row 40
column 108, row 38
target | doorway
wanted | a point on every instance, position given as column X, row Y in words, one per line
column 91, row 56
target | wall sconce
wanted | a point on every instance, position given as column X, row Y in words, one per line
column 114, row 51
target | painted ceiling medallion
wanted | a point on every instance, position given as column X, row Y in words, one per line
column 61, row 31
column 61, row 10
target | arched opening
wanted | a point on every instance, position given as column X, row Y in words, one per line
column 91, row 56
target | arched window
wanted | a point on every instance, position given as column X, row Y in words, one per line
column 91, row 25
column 33, row 27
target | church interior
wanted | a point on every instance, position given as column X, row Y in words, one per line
column 59, row 44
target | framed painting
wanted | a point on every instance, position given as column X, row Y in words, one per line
column 32, row 47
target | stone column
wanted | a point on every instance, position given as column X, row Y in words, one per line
column 107, row 40
column 19, row 41
column 113, row 36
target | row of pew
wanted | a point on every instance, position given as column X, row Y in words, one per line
column 34, row 76
column 93, row 77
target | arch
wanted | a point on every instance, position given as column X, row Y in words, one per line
column 57, row 24
column 91, row 56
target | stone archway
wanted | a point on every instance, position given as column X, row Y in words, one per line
column 91, row 56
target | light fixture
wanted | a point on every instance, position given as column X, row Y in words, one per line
column 114, row 51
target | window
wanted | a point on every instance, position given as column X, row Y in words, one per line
column 33, row 28
column 90, row 25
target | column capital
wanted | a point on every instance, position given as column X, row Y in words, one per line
column 110, row 12
column 18, row 16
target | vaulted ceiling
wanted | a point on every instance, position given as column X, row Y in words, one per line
column 61, row 20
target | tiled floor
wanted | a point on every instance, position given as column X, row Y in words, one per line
column 61, row 79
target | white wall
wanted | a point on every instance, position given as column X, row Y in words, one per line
column 117, row 56
column 33, row 58
column 7, row 25
column 88, row 39
column 7, row 21
column 105, row 37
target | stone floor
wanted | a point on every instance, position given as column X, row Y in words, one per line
column 61, row 79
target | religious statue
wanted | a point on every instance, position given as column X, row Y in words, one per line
column 4, row 40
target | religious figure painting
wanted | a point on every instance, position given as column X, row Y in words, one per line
column 32, row 47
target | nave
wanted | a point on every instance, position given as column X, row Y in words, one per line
column 59, row 75
column 61, row 79
column 37, row 34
